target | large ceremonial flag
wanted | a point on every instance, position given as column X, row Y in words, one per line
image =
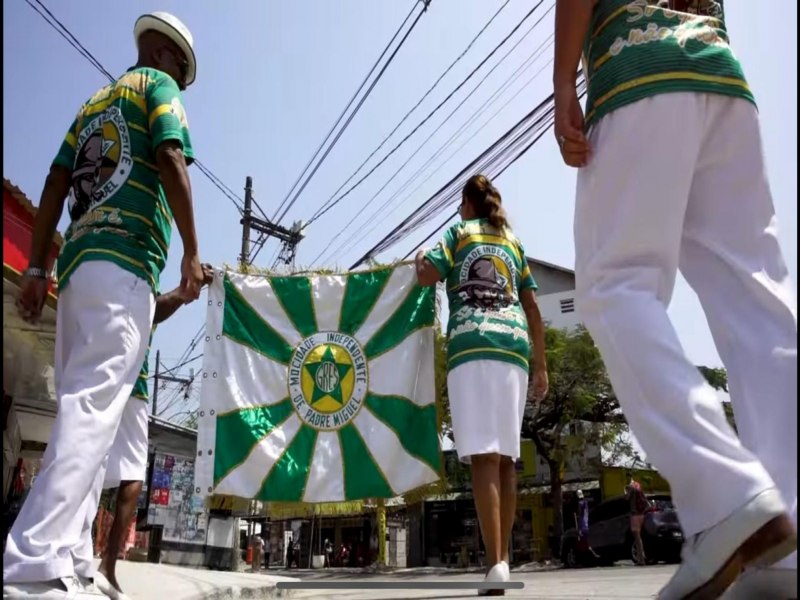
column 318, row 388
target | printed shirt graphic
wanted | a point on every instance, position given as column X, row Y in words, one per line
column 117, row 207
column 640, row 48
column 318, row 388
column 484, row 271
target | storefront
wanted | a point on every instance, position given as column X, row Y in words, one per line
column 350, row 527
column 29, row 403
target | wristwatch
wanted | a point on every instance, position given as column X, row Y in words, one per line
column 36, row 273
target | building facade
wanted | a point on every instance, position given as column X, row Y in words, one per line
column 29, row 402
column 556, row 294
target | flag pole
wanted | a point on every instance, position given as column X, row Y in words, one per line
column 381, row 532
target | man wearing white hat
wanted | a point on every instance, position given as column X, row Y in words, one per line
column 123, row 164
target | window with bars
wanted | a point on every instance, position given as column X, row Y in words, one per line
column 567, row 305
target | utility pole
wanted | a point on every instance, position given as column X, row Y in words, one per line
column 290, row 237
column 244, row 259
column 155, row 383
column 158, row 377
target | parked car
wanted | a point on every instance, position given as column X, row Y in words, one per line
column 611, row 538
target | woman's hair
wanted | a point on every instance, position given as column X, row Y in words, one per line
column 486, row 200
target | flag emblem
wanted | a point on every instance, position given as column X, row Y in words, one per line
column 328, row 380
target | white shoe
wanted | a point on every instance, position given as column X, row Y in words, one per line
column 104, row 585
column 776, row 584
column 500, row 573
column 66, row 588
column 757, row 535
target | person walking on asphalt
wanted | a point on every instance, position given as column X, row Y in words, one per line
column 123, row 164
column 127, row 461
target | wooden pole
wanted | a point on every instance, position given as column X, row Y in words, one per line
column 311, row 543
column 382, row 532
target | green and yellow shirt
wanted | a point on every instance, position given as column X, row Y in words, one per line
column 484, row 269
column 117, row 206
column 140, row 389
column 640, row 48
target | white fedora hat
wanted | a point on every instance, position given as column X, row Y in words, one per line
column 172, row 27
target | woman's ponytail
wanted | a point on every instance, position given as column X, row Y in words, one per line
column 486, row 200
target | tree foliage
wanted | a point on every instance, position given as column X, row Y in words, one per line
column 717, row 378
column 580, row 392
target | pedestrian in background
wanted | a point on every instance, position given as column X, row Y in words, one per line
column 127, row 461
column 582, row 524
column 639, row 504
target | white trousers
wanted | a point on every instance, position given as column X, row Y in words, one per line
column 127, row 460
column 678, row 181
column 102, row 330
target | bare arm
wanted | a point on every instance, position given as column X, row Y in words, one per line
column 536, row 328
column 427, row 274
column 178, row 189
column 51, row 205
column 572, row 23
column 167, row 304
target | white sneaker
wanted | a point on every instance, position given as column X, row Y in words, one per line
column 500, row 573
column 757, row 535
column 777, row 584
column 66, row 588
column 88, row 586
column 104, row 585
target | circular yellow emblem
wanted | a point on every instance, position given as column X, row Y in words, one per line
column 328, row 379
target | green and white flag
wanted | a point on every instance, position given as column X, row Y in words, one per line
column 318, row 388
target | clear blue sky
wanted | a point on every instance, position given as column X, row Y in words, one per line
column 273, row 76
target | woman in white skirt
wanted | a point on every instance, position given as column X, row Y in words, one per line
column 494, row 318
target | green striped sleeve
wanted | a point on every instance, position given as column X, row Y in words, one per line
column 526, row 280
column 166, row 116
column 140, row 390
column 66, row 153
column 441, row 256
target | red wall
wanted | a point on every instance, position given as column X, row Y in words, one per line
column 17, row 234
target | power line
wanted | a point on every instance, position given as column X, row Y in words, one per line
column 503, row 87
column 433, row 233
column 333, row 202
column 178, row 366
column 419, row 102
column 430, row 161
column 494, row 161
column 489, row 120
column 287, row 203
column 344, row 112
column 64, row 32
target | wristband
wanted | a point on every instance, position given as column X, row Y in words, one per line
column 35, row 273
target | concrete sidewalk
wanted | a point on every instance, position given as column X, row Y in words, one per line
column 147, row 581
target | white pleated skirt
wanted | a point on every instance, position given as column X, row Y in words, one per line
column 487, row 403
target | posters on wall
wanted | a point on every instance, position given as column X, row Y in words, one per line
column 173, row 503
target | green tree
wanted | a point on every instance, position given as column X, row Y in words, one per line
column 717, row 378
column 580, row 392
